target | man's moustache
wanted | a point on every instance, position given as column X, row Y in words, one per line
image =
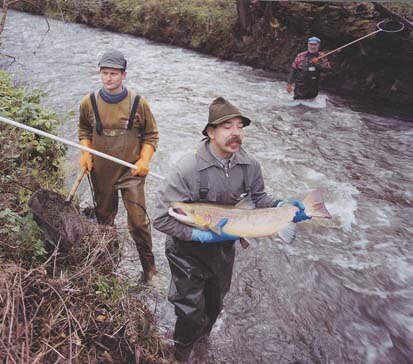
column 234, row 140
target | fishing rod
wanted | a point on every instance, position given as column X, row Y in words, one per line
column 379, row 29
column 72, row 144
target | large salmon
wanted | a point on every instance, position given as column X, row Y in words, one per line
column 246, row 221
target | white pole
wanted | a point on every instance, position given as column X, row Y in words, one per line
column 79, row 146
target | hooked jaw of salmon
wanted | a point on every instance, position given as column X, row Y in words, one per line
column 187, row 216
column 180, row 214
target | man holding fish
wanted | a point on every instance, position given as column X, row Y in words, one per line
column 198, row 208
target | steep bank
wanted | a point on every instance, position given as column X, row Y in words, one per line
column 378, row 68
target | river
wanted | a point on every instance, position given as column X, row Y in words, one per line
column 343, row 291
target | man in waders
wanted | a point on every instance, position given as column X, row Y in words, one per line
column 201, row 262
column 305, row 71
column 119, row 122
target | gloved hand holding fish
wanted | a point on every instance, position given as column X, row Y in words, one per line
column 244, row 221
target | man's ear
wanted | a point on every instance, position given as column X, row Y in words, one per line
column 210, row 131
column 124, row 73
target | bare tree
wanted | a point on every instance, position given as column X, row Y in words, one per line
column 3, row 13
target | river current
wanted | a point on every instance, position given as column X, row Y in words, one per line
column 343, row 291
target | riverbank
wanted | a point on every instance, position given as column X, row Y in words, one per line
column 59, row 302
column 268, row 36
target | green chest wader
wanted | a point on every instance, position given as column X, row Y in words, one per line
column 201, row 277
column 109, row 177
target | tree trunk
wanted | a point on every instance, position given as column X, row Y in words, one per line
column 3, row 14
column 244, row 13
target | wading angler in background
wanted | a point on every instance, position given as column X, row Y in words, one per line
column 118, row 122
column 201, row 261
column 305, row 71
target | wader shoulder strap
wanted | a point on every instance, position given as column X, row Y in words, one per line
column 203, row 183
column 247, row 187
column 307, row 61
column 96, row 113
column 136, row 98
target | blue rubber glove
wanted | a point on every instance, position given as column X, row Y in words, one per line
column 208, row 236
column 300, row 215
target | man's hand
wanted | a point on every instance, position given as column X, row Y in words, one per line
column 315, row 61
column 144, row 161
column 207, row 236
column 86, row 161
column 300, row 215
column 143, row 168
column 289, row 88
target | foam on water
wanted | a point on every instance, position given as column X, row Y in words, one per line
column 320, row 102
column 404, row 271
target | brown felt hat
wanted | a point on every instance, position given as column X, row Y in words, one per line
column 222, row 110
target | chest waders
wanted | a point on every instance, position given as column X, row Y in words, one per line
column 201, row 277
column 307, row 79
column 109, row 177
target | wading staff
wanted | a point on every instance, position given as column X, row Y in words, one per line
column 379, row 29
column 72, row 144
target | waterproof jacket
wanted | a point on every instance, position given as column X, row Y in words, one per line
column 306, row 75
column 225, row 187
column 115, row 116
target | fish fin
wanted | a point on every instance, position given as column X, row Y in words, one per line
column 246, row 203
column 244, row 243
column 222, row 222
column 314, row 205
column 287, row 234
column 217, row 229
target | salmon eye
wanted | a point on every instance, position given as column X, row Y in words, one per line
column 192, row 211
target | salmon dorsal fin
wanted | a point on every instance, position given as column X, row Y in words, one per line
column 246, row 203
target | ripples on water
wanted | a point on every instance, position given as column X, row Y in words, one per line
column 342, row 292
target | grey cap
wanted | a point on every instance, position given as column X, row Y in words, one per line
column 113, row 59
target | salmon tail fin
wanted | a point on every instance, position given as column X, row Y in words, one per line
column 314, row 205
column 287, row 234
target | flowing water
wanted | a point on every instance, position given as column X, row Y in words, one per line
column 343, row 291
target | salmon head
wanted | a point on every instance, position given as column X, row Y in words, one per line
column 190, row 214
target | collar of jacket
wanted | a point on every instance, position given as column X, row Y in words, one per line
column 207, row 160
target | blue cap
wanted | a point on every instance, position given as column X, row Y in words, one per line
column 314, row 40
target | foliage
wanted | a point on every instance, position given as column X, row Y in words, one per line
column 25, row 160
column 109, row 288
column 28, row 240
column 23, row 150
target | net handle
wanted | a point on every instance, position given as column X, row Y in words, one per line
column 379, row 29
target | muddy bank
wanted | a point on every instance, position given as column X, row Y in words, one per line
column 268, row 36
